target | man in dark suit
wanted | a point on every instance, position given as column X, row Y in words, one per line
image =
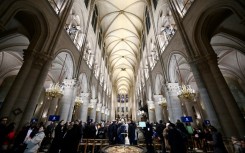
column 159, row 129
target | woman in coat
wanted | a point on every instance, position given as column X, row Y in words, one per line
column 34, row 143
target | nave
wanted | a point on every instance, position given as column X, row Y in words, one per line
column 142, row 60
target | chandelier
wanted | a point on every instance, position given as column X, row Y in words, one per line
column 185, row 91
column 90, row 106
column 162, row 101
column 139, row 112
column 54, row 90
column 78, row 101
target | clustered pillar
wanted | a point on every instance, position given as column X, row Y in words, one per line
column 151, row 111
column 98, row 112
column 84, row 107
column 67, row 99
column 174, row 104
column 92, row 114
column 158, row 107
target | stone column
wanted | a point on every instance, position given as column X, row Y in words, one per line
column 138, row 116
column 31, row 89
column 208, row 110
column 103, row 113
column 134, row 107
column 52, row 103
column 52, row 106
column 84, row 106
column 9, row 102
column 237, row 91
column 73, row 84
column 44, row 110
column 67, row 99
column 113, row 106
column 98, row 112
column 41, row 61
column 158, row 107
column 188, row 105
column 218, row 99
column 165, row 113
column 106, row 114
column 92, row 115
column 151, row 111
column 173, row 102
column 228, row 98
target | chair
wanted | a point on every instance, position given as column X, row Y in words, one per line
column 82, row 145
column 90, row 142
column 97, row 143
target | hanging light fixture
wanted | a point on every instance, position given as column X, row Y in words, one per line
column 185, row 91
column 56, row 89
column 90, row 106
column 78, row 101
column 162, row 101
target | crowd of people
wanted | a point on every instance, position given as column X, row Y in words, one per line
column 64, row 137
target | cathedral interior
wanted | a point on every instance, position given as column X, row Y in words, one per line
column 104, row 60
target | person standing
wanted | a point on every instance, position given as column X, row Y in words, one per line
column 175, row 140
column 148, row 133
column 159, row 129
column 71, row 138
column 217, row 142
column 132, row 133
column 3, row 132
column 9, row 139
column 33, row 143
column 121, row 131
column 60, row 130
column 112, row 133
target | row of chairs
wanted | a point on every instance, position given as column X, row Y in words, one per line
column 92, row 144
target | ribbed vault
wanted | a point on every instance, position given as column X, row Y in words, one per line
column 122, row 23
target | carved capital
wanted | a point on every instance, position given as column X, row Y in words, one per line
column 157, row 98
column 93, row 101
column 173, row 87
column 103, row 109
column 39, row 59
column 85, row 95
column 69, row 83
column 151, row 105
column 99, row 106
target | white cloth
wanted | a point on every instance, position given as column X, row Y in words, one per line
column 34, row 143
column 28, row 134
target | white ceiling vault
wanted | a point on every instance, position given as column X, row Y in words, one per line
column 122, row 24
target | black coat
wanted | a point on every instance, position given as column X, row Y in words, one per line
column 218, row 144
column 71, row 140
column 131, row 131
column 176, row 141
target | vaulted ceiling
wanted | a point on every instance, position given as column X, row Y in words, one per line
column 122, row 24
